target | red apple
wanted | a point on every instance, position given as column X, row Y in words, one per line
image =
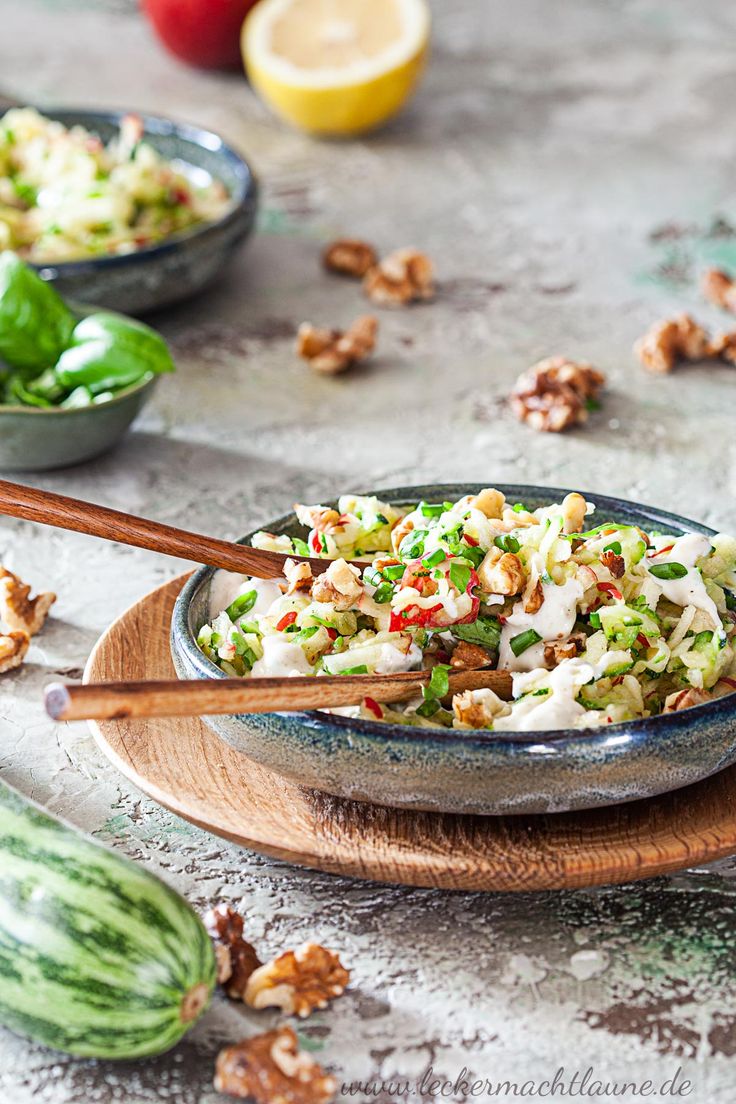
column 205, row 33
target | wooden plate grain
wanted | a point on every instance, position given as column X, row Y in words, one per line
column 183, row 766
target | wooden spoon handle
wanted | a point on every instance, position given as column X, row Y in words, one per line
column 105, row 701
column 100, row 521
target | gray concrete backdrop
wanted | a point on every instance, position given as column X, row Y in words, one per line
column 569, row 167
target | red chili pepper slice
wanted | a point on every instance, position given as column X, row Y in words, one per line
column 374, row 708
column 641, row 639
column 435, row 617
column 316, row 543
column 659, row 551
column 470, row 540
column 286, row 620
column 333, row 634
column 609, row 588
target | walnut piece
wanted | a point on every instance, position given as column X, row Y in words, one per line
column 501, row 572
column 21, row 613
column 490, row 502
column 555, row 394
column 269, row 1069
column 298, row 981
column 556, row 651
column 477, row 708
column 718, row 287
column 333, row 351
column 340, row 584
column 236, row 958
column 403, row 277
column 665, row 343
column 349, row 257
column 615, row 563
column 468, row 656
column 13, row 648
column 533, row 597
column 683, row 699
column 724, row 346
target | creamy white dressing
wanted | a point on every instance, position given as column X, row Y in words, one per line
column 281, row 659
column 385, row 658
column 226, row 586
column 558, row 708
column 690, row 589
column 553, row 621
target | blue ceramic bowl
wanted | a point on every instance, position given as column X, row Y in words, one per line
column 463, row 771
column 183, row 264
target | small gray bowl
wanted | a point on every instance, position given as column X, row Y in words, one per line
column 183, row 264
column 464, row 771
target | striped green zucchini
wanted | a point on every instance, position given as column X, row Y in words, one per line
column 97, row 956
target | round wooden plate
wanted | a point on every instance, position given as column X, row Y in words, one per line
column 182, row 765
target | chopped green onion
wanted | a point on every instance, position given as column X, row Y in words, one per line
column 393, row 572
column 381, row 519
column 435, row 558
column 538, row 693
column 524, row 640
column 668, row 571
column 383, row 593
column 520, row 508
column 594, row 620
column 305, row 634
column 507, row 543
column 361, row 669
column 614, row 547
column 323, row 542
column 242, row 604
column 428, row 708
column 412, row 545
column 431, row 509
column 460, row 576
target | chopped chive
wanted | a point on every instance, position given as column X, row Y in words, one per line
column 614, row 547
column 460, row 576
column 524, row 640
column 431, row 509
column 242, row 604
column 668, row 571
column 595, row 620
column 323, row 541
column 305, row 634
column 393, row 572
column 520, row 508
column 507, row 543
column 412, row 546
column 435, row 558
column 361, row 669
column 383, row 593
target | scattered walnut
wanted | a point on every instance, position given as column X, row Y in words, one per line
column 298, row 575
column 533, row 597
column 340, row 584
column 477, row 708
column 350, row 257
column 236, row 958
column 683, row 699
column 401, row 278
column 556, row 651
column 332, row 351
column 615, row 563
column 719, row 288
column 13, row 648
column 298, row 981
column 270, row 1069
column 675, row 339
column 574, row 509
column 724, row 346
column 501, row 572
column 468, row 656
column 555, row 394
column 21, row 613
column 490, row 502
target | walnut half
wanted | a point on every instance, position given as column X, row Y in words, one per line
column 665, row 343
column 555, row 394
column 333, row 351
column 236, row 958
column 13, row 648
column 403, row 277
column 298, row 981
column 270, row 1069
column 349, row 257
column 20, row 612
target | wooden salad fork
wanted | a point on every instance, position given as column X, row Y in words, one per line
column 47, row 508
column 105, row 701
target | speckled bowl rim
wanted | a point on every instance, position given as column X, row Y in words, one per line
column 559, row 740
column 242, row 198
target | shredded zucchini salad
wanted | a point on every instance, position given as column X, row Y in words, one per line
column 598, row 624
column 65, row 195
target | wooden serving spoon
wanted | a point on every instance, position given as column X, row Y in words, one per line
column 100, row 521
column 105, row 701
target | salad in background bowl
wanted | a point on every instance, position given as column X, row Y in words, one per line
column 132, row 211
column 72, row 378
column 618, row 626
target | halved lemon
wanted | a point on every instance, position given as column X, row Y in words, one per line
column 336, row 66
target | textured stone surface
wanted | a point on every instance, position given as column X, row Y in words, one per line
column 569, row 167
